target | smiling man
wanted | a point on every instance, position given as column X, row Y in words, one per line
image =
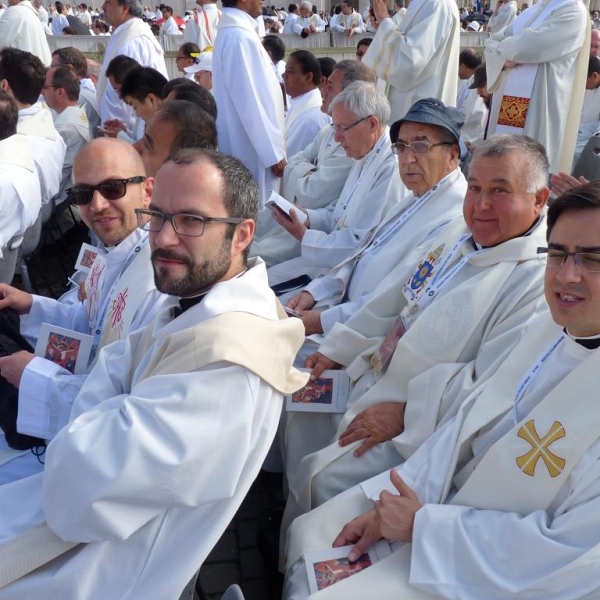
column 173, row 424
column 435, row 330
column 109, row 184
column 502, row 501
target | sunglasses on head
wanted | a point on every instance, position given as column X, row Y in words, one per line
column 111, row 189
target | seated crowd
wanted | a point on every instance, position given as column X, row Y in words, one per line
column 396, row 310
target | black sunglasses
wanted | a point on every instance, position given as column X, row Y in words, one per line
column 111, row 189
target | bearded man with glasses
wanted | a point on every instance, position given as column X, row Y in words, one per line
column 110, row 183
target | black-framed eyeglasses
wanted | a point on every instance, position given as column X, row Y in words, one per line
column 419, row 147
column 553, row 258
column 345, row 129
column 111, row 189
column 183, row 224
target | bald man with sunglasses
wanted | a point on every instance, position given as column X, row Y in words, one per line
column 110, row 183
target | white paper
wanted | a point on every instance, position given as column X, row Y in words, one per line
column 328, row 394
column 276, row 200
column 86, row 258
column 326, row 567
column 65, row 347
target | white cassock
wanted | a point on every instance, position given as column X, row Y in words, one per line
column 353, row 21
column 506, row 14
column 73, row 126
column 372, row 188
column 292, row 24
column 201, row 27
column 250, row 121
column 312, row 178
column 20, row 27
column 47, row 145
column 452, row 346
column 128, row 477
column 418, row 59
column 542, row 96
column 20, row 196
column 135, row 39
column 502, row 517
column 407, row 225
column 304, row 120
column 47, row 391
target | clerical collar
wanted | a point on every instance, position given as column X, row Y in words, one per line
column 528, row 232
column 186, row 303
column 591, row 343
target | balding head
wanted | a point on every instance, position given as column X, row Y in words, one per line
column 595, row 42
column 106, row 160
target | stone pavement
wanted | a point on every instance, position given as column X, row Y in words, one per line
column 238, row 556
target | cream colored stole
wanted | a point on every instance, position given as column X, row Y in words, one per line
column 524, row 470
column 263, row 346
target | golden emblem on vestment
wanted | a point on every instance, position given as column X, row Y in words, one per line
column 513, row 111
column 539, row 449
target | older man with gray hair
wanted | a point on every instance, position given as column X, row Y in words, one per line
column 309, row 21
column 131, row 37
column 314, row 177
column 330, row 234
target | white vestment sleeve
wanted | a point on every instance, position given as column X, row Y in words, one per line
column 46, row 395
column 461, row 552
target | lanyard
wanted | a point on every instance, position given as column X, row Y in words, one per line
column 402, row 218
column 529, row 376
column 365, row 167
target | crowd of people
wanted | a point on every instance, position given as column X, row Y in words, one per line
column 403, row 238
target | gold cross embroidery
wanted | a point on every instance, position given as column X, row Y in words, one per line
column 539, row 449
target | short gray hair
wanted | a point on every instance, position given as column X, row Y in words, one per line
column 136, row 8
column 353, row 70
column 307, row 5
column 363, row 100
column 535, row 157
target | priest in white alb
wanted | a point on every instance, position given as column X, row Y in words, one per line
column 250, row 117
column 502, row 502
column 536, row 70
column 418, row 59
